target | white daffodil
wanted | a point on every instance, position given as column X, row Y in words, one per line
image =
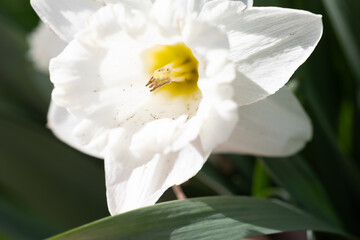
column 154, row 87
column 44, row 45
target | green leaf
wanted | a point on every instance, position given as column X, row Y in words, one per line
column 214, row 180
column 201, row 218
column 16, row 83
column 346, row 130
column 298, row 179
column 48, row 178
column 325, row 84
column 343, row 14
column 15, row 224
column 338, row 173
column 19, row 12
column 261, row 181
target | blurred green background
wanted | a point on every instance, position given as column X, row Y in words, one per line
column 47, row 187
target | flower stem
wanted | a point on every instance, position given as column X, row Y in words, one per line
column 178, row 192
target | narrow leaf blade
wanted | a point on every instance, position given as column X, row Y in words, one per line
column 201, row 218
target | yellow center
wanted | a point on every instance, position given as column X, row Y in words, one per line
column 173, row 69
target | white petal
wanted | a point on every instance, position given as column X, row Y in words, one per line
column 172, row 13
column 217, row 107
column 99, row 74
column 202, row 37
column 143, row 5
column 275, row 126
column 267, row 45
column 140, row 4
column 90, row 84
column 62, row 124
column 65, row 17
column 221, row 11
column 44, row 45
column 99, row 77
column 165, row 135
column 249, row 3
column 130, row 187
column 218, row 124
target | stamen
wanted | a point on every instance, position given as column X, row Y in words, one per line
column 160, row 78
column 172, row 66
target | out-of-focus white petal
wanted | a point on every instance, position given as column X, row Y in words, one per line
column 44, row 45
column 129, row 187
column 65, row 17
column 62, row 124
column 249, row 3
column 266, row 44
column 275, row 126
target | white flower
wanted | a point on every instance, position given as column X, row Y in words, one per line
column 44, row 45
column 155, row 86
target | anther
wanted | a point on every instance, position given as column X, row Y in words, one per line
column 160, row 78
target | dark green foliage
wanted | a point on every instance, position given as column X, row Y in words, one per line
column 47, row 188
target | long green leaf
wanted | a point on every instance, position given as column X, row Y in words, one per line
column 20, row 13
column 47, row 177
column 261, row 181
column 213, row 179
column 201, row 218
column 342, row 15
column 337, row 172
column 16, row 82
column 15, row 224
column 298, row 179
